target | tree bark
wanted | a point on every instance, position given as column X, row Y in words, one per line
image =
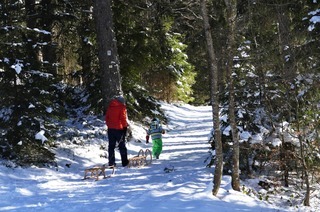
column 303, row 156
column 49, row 54
column 107, row 51
column 231, row 21
column 30, row 37
column 86, row 51
column 285, row 42
column 214, row 96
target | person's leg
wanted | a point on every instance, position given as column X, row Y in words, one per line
column 123, row 149
column 160, row 147
column 156, row 148
column 111, row 147
column 123, row 153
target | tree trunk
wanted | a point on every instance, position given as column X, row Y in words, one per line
column 305, row 171
column 49, row 56
column 287, row 70
column 86, row 52
column 306, row 201
column 231, row 21
column 235, row 138
column 214, row 96
column 107, row 51
column 31, row 38
column 285, row 42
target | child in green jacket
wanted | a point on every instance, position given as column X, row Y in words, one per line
column 156, row 131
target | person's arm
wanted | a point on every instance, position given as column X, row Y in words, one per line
column 123, row 118
column 161, row 130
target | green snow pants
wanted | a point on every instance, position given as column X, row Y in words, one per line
column 156, row 147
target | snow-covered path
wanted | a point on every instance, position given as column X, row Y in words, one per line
column 185, row 148
column 187, row 187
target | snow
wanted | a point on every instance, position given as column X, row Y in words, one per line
column 314, row 19
column 17, row 67
column 49, row 109
column 245, row 135
column 256, row 139
column 40, row 136
column 42, row 31
column 178, row 181
column 276, row 142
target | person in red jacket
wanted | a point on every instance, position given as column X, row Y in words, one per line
column 116, row 120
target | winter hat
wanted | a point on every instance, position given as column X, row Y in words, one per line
column 155, row 123
column 155, row 119
column 121, row 99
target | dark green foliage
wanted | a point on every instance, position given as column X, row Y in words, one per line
column 29, row 94
column 141, row 105
column 151, row 51
column 27, row 150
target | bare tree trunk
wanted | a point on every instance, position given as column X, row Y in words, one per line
column 306, row 201
column 287, row 70
column 86, row 51
column 107, row 51
column 31, row 39
column 231, row 21
column 48, row 52
column 305, row 172
column 285, row 42
column 214, row 95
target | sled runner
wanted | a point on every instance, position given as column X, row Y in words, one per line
column 96, row 171
column 143, row 158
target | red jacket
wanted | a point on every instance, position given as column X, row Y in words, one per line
column 116, row 115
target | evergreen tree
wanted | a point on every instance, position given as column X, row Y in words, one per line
column 30, row 89
column 151, row 51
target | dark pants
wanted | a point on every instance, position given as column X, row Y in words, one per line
column 117, row 136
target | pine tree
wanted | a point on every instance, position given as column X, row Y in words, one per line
column 108, row 51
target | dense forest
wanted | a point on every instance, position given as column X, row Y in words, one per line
column 256, row 62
